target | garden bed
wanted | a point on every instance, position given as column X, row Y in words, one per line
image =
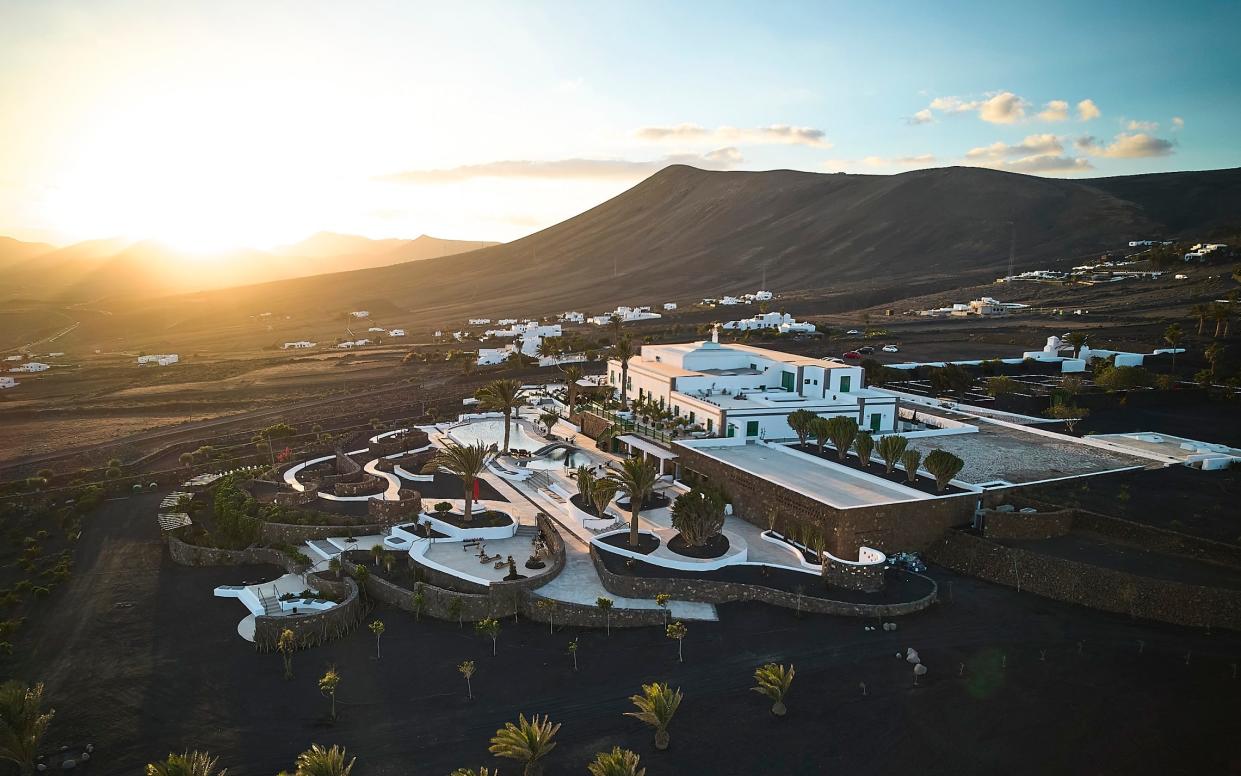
column 584, row 505
column 487, row 518
column 878, row 469
column 652, row 501
column 647, row 543
column 445, row 485
column 715, row 547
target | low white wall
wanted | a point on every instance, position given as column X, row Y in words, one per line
column 686, row 564
column 452, row 531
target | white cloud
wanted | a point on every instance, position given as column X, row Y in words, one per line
column 1056, row 110
column 719, row 159
column 1033, row 145
column 923, row 116
column 1003, row 108
column 774, row 134
column 1133, row 125
column 1178, row 123
column 1126, row 146
column 953, row 105
column 1087, row 110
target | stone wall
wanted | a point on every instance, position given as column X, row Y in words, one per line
column 1027, row 525
column 314, row 628
column 399, row 443
column 592, row 425
column 290, row 533
column 1086, row 585
column 718, row 592
column 297, row 498
column 868, row 579
column 388, row 513
column 193, row 555
column 903, row 526
column 366, row 485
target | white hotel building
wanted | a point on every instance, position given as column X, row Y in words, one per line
column 739, row 390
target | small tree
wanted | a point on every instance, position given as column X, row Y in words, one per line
column 23, row 723
column 842, row 431
column 418, row 601
column 489, row 627
column 891, row 448
column 662, row 600
column 944, row 466
column 602, row 492
column 286, row 645
column 1173, row 336
column 698, row 515
column 377, row 627
column 573, row 652
column 678, row 631
column 186, row 459
column 1001, row 386
column 773, row 681
column 185, row 764
column 328, row 684
column 910, row 460
column 605, row 606
column 656, row 706
column 377, row 552
column 548, row 419
column 864, row 445
column 802, row 422
column 821, row 430
column 618, row 762
column 527, row 742
column 319, row 761
column 455, row 609
column 1068, row 413
column 466, row 669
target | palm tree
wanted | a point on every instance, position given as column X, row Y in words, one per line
column 317, row 761
column 944, row 466
column 186, row 764
column 377, row 627
column 891, row 448
column 1201, row 312
column 22, row 723
column 328, row 684
column 864, row 445
column 618, row 762
column 656, row 706
column 527, row 742
column 773, row 681
column 821, row 430
column 1213, row 353
column 571, row 375
column 286, row 645
column 910, row 460
column 605, row 606
column 1076, row 340
column 622, row 351
column 465, row 461
column 1221, row 313
column 1172, row 335
column 842, row 430
column 637, row 478
column 801, row 422
column 502, row 396
column 602, row 492
column 548, row 419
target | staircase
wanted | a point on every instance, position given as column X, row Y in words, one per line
column 528, row 531
column 270, row 604
column 540, row 480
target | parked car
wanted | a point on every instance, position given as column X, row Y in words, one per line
column 866, row 350
column 891, row 349
column 853, row 354
column 853, row 331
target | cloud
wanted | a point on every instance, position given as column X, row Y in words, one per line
column 1003, row 108
column 1133, row 125
column 719, row 159
column 1033, row 145
column 1087, row 110
column 1178, row 123
column 1049, row 163
column 995, row 108
column 923, row 116
column 1126, row 146
column 1056, row 110
column 774, row 134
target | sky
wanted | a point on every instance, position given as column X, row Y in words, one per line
column 214, row 125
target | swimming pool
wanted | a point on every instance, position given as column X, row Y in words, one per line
column 492, row 432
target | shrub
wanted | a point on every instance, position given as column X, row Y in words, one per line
column 698, row 515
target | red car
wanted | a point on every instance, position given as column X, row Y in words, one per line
column 853, row 354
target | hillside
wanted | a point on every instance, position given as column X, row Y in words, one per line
column 684, row 233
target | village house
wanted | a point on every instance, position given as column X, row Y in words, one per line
column 361, row 314
column 7, row 382
column 158, row 359
column 299, row 345
column 781, row 322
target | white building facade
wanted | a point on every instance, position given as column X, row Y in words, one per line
column 738, row 390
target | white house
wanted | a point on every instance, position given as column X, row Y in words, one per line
column 670, row 306
column 626, row 314
column 31, row 366
column 159, row 359
column 361, row 313
column 572, row 317
column 479, row 321
column 353, row 344
column 762, row 296
column 729, row 300
column 56, row 354
column 740, row 390
column 396, row 333
column 17, row 357
column 299, row 345
column 782, row 322
column 491, row 356
column 506, row 321
column 7, row 382
column 377, row 329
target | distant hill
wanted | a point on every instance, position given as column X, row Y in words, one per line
column 104, row 269
column 685, row 233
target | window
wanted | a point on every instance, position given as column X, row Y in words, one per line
column 691, row 417
column 676, row 410
column 710, row 424
column 611, row 377
column 845, row 381
column 751, row 428
column 629, row 384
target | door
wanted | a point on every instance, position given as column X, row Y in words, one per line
column 876, row 421
column 786, row 381
column 751, row 428
column 845, row 383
